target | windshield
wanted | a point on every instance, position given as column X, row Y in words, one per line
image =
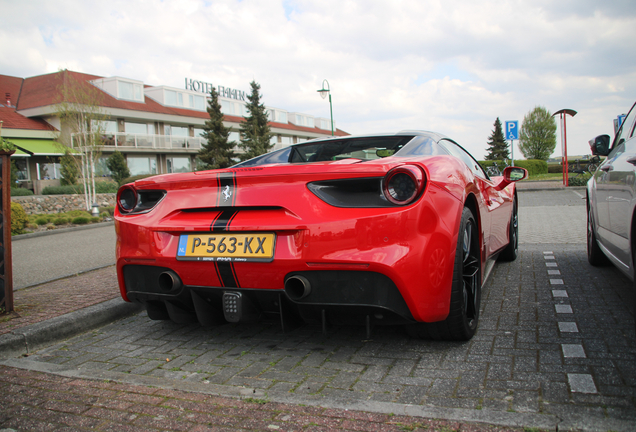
column 367, row 148
column 363, row 148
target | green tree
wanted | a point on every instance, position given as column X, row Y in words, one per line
column 217, row 152
column 497, row 145
column 537, row 138
column 116, row 163
column 69, row 169
column 255, row 130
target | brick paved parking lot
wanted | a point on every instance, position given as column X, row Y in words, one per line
column 556, row 348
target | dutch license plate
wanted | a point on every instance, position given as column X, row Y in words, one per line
column 227, row 247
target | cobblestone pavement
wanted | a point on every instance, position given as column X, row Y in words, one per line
column 556, row 349
column 52, row 299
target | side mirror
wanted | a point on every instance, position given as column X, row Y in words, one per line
column 600, row 145
column 510, row 175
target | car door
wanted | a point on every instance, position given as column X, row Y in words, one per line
column 616, row 192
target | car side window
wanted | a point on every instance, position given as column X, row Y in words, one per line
column 457, row 151
column 626, row 130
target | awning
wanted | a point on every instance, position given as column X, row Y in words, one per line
column 36, row 147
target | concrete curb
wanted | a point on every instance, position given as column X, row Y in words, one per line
column 29, row 339
column 60, row 231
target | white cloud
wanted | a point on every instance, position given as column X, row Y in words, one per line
column 391, row 65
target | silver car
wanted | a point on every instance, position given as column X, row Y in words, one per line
column 611, row 200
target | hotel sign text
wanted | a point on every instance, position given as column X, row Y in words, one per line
column 204, row 87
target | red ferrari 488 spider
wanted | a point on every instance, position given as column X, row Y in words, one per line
column 382, row 229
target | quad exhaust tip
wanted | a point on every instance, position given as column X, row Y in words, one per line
column 297, row 287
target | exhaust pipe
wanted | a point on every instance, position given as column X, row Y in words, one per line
column 169, row 281
column 297, row 287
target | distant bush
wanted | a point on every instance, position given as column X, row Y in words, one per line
column 95, row 219
column 77, row 213
column 60, row 221
column 578, row 180
column 100, row 187
column 534, row 166
column 80, row 220
column 41, row 221
column 555, row 168
column 19, row 218
column 21, row 192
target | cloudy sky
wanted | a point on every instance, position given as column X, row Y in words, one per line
column 451, row 67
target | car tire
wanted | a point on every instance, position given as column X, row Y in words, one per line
column 595, row 255
column 511, row 251
column 463, row 317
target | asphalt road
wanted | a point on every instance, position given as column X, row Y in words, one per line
column 555, row 348
column 43, row 258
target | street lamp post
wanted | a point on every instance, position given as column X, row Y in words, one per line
column 323, row 94
column 564, row 143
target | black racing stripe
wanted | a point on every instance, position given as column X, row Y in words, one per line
column 226, row 271
column 222, row 221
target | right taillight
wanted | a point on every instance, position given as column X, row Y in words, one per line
column 403, row 185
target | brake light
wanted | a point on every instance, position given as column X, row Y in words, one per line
column 404, row 184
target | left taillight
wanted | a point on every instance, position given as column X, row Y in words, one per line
column 404, row 184
column 133, row 201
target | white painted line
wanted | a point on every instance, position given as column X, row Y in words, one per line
column 548, row 253
column 568, row 327
column 556, row 281
column 573, row 351
column 554, row 272
column 579, row 195
column 582, row 383
column 559, row 293
column 548, row 257
column 551, row 264
column 564, row 309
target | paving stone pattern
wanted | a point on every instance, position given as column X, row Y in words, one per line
column 556, row 341
column 519, row 361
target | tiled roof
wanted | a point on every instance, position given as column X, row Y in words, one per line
column 44, row 90
column 11, row 86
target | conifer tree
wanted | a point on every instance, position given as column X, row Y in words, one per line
column 497, row 145
column 255, row 130
column 116, row 163
column 217, row 152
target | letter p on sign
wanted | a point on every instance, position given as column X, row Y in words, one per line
column 512, row 130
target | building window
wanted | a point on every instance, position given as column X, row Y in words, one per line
column 22, row 168
column 48, row 171
column 171, row 97
column 141, row 165
column 101, row 169
column 179, row 164
column 130, row 91
column 198, row 133
column 196, row 102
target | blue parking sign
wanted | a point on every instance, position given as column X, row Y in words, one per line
column 512, row 130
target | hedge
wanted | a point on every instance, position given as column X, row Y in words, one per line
column 21, row 192
column 534, row 166
column 100, row 187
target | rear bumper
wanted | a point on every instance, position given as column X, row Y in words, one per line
column 340, row 297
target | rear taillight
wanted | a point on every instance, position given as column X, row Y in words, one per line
column 404, row 184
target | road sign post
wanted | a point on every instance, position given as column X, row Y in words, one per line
column 512, row 134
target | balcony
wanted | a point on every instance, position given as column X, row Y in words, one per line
column 143, row 141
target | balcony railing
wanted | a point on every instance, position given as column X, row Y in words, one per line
column 128, row 140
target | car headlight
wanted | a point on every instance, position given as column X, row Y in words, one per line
column 132, row 201
column 403, row 185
